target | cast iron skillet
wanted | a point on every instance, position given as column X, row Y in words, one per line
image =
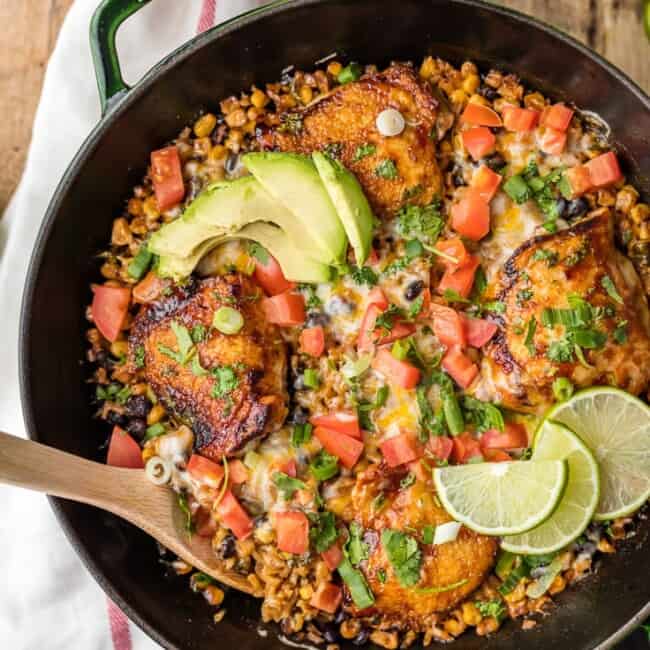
column 255, row 48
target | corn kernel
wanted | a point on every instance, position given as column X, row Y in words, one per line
column 236, row 118
column 334, row 68
column 218, row 152
column 259, row 98
column 121, row 235
column 205, row 125
column 119, row 348
column 471, row 615
column 156, row 414
column 458, row 96
column 134, row 207
column 427, row 68
column 471, row 84
column 213, row 595
column 535, row 101
column 109, row 270
column 150, row 207
column 306, row 94
column 306, row 592
column 218, row 616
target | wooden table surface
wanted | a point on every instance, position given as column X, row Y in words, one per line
column 30, row 28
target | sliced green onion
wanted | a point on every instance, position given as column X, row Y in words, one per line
column 324, row 466
column 538, row 588
column 301, row 434
column 356, row 583
column 517, row 189
column 513, row 578
column 228, row 320
column 505, row 563
column 140, row 263
column 453, row 414
column 562, row 389
column 427, row 534
column 310, row 378
column 350, row 73
column 154, row 431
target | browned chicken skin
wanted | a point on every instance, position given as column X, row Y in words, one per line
column 546, row 272
column 464, row 562
column 253, row 402
column 345, row 121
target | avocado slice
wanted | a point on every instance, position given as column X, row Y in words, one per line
column 295, row 265
column 350, row 203
column 226, row 207
column 293, row 180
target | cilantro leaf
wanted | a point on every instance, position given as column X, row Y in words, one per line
column 404, row 555
column 355, row 549
column 364, row 275
column 287, row 485
column 491, row 608
column 363, row 151
column 420, row 222
column 227, row 381
column 386, row 169
column 138, row 356
column 322, row 532
column 483, row 415
column 609, row 286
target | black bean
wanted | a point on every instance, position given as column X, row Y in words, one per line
column 495, row 162
column 561, row 205
column 101, row 357
column 457, row 176
column 299, row 415
column 226, row 548
column 137, row 427
column 488, row 92
column 315, row 318
column 362, row 637
column 331, row 632
column 576, row 208
column 231, row 163
column 137, row 406
column 340, row 616
column 114, row 417
column 413, row 290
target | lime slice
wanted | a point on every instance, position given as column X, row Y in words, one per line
column 555, row 442
column 616, row 427
column 501, row 498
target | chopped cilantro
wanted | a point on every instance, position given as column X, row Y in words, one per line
column 287, row 485
column 546, row 255
column 407, row 481
column 620, row 332
column 198, row 333
column 322, row 532
column 381, row 576
column 523, row 296
column 138, row 356
column 415, row 308
column 404, row 555
column 560, row 351
column 185, row 509
column 333, row 149
column 496, row 306
column 364, row 275
column 226, row 381
column 355, row 549
column 421, row 222
column 386, row 169
column 609, row 286
column 529, row 341
column 578, row 255
column 363, row 151
column 451, row 295
column 411, row 192
column 364, row 408
column 413, row 248
column 386, row 320
column 491, row 608
column 290, row 123
column 482, row 415
column 312, row 299
column 396, row 266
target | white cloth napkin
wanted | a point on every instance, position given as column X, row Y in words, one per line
column 48, row 601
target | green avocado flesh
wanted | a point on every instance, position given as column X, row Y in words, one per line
column 350, row 203
column 293, row 180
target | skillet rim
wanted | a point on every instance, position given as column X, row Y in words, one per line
column 116, row 108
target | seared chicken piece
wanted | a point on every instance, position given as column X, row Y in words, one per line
column 464, row 562
column 612, row 333
column 343, row 123
column 229, row 388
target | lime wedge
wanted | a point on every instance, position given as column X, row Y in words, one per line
column 556, row 442
column 616, row 428
column 501, row 498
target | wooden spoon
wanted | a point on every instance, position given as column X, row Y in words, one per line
column 126, row 493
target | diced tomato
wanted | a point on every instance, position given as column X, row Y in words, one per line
column 417, row 468
column 205, row 470
column 464, row 448
column 552, row 141
column 479, row 141
column 233, row 516
column 399, row 330
column 204, row 523
column 237, row 472
column 496, row 456
column 401, row 449
column 398, row 372
column 557, row 117
column 270, row 277
column 365, row 339
column 346, row 448
column 149, row 288
column 167, row 177
column 579, row 180
column 461, row 368
column 440, row 446
column 292, row 531
column 327, row 597
column 604, row 170
column 378, row 298
column 479, row 331
column 471, row 217
column 123, row 450
column 448, row 325
column 519, row 119
column 289, row 468
column 286, row 309
column 461, row 280
column 109, row 308
column 514, row 436
column 426, row 304
column 480, row 115
column 312, row 341
column 455, row 248
column 347, row 423
column 485, row 183
column 332, row 556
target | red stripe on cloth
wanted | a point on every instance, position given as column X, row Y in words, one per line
column 208, row 12
column 119, row 625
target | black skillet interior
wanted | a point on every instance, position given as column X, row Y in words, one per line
column 224, row 61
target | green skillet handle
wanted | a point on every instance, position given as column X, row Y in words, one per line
column 104, row 25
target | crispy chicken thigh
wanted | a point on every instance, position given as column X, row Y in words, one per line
column 556, row 271
column 344, row 123
column 229, row 388
column 463, row 562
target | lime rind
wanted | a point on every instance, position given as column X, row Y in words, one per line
column 524, row 494
column 581, row 495
column 616, row 427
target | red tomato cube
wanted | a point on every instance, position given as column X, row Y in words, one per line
column 285, row 309
column 520, row 119
column 604, row 170
column 233, row 516
column 167, row 177
column 461, row 280
column 479, row 141
column 448, row 325
column 109, row 308
column 552, row 141
column 346, row 448
column 398, row 372
column 471, row 217
column 123, row 450
column 485, row 183
column 401, row 449
column 347, row 423
column 270, row 276
column 557, row 117
column 292, row 532
column 461, row 368
column 327, row 597
column 312, row 341
column 480, row 115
